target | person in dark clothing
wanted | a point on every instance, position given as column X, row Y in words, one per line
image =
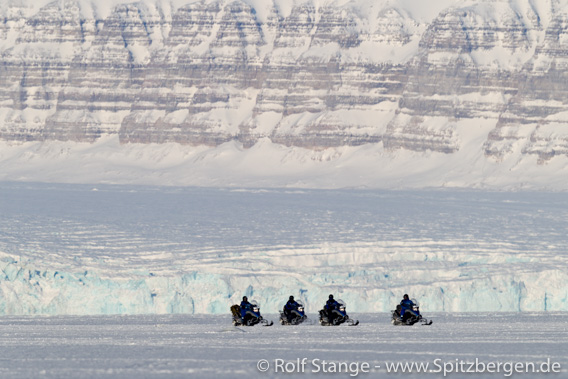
column 245, row 305
column 290, row 306
column 330, row 305
column 406, row 305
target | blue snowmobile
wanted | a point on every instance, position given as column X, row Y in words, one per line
column 293, row 315
column 408, row 313
column 334, row 313
column 248, row 315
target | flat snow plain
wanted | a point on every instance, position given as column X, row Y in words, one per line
column 200, row 346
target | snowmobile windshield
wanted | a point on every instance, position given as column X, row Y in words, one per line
column 300, row 305
column 341, row 305
column 255, row 306
column 416, row 303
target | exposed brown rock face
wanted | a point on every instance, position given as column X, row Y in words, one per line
column 316, row 77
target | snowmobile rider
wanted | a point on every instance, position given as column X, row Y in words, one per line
column 406, row 305
column 290, row 306
column 245, row 305
column 329, row 306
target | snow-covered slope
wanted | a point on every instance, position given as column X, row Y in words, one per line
column 384, row 93
column 272, row 165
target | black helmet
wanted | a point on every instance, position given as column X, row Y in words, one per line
column 245, row 298
column 331, row 296
column 291, row 297
column 405, row 296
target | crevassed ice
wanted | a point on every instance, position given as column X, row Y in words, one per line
column 134, row 250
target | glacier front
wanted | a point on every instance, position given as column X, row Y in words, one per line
column 79, row 249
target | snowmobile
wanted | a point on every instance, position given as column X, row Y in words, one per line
column 336, row 316
column 295, row 317
column 251, row 317
column 409, row 318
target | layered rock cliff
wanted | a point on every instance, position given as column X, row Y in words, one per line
column 313, row 74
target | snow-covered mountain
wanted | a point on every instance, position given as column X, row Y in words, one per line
column 385, row 93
